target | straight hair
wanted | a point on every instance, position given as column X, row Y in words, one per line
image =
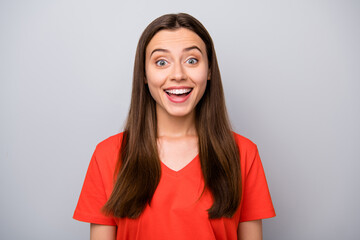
column 138, row 169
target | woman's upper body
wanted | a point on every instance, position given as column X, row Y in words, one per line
column 177, row 171
column 178, row 208
column 250, row 230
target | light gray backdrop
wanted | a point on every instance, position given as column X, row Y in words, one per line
column 291, row 76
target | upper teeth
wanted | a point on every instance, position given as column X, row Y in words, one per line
column 178, row 91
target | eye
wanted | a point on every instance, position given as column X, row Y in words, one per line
column 192, row 61
column 161, row 63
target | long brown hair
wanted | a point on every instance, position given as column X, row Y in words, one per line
column 138, row 171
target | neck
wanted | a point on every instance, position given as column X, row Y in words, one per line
column 173, row 126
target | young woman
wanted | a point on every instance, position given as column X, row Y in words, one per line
column 177, row 171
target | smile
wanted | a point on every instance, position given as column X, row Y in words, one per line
column 178, row 95
column 178, row 91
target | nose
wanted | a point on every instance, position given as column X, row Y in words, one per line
column 178, row 72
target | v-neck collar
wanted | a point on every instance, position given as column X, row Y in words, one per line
column 183, row 171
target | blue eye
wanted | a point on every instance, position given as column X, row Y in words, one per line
column 192, row 61
column 161, row 63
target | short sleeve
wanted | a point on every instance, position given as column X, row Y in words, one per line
column 93, row 197
column 256, row 200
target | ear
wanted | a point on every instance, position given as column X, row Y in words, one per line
column 145, row 80
column 209, row 74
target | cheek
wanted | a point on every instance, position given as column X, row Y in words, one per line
column 153, row 80
column 200, row 77
column 154, row 77
column 154, row 90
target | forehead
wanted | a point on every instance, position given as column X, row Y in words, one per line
column 175, row 39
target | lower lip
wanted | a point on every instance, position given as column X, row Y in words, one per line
column 178, row 99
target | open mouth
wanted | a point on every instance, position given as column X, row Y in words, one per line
column 178, row 92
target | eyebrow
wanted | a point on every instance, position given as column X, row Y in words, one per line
column 166, row 51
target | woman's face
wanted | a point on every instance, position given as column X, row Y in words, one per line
column 177, row 71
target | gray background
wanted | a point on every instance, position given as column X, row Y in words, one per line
column 291, row 76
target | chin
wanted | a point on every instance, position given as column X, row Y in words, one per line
column 179, row 113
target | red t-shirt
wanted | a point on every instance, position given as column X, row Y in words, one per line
column 175, row 212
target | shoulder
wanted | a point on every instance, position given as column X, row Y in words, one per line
column 248, row 153
column 244, row 144
column 100, row 174
column 110, row 143
column 109, row 148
